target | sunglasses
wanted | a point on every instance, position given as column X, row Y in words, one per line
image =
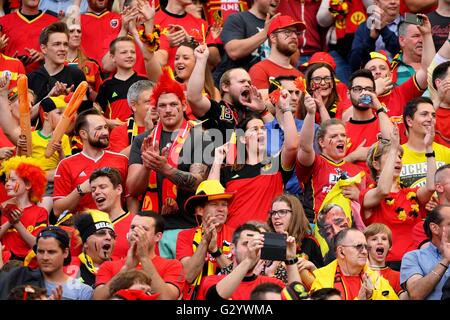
column 360, row 247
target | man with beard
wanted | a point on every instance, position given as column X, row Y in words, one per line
column 350, row 274
column 100, row 26
column 239, row 97
column 363, row 127
column 246, row 251
column 98, row 236
column 106, row 190
column 54, row 78
column 283, row 40
column 72, row 190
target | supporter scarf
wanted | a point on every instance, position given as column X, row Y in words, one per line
column 132, row 130
column 169, row 189
column 348, row 16
column 88, row 263
column 209, row 268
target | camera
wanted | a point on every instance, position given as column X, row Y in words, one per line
column 274, row 246
column 413, row 19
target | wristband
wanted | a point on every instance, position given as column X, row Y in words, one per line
column 382, row 109
column 216, row 253
column 80, row 192
column 430, row 154
column 446, row 267
column 283, row 111
column 289, row 262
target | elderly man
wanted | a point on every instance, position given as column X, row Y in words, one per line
column 350, row 274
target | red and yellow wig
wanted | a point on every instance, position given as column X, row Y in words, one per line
column 30, row 171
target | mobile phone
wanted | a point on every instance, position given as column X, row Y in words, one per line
column 413, row 19
column 274, row 246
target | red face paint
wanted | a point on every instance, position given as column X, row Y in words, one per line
column 16, row 187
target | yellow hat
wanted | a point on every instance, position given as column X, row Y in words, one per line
column 207, row 190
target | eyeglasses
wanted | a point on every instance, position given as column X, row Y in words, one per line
column 281, row 213
column 359, row 89
column 360, row 247
column 287, row 33
column 103, row 232
column 318, row 80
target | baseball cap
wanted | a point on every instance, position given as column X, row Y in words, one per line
column 323, row 57
column 51, row 103
column 281, row 22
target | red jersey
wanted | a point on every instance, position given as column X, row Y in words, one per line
column 121, row 228
column 263, row 70
column 324, row 173
column 23, row 33
column 255, row 187
column 191, row 24
column 171, row 271
column 98, row 32
column 393, row 277
column 442, row 127
column 349, row 286
column 4, row 140
column 12, row 67
column 112, row 96
column 34, row 219
column 313, row 39
column 244, row 289
column 76, row 169
column 400, row 212
column 357, row 131
column 91, row 71
column 122, row 136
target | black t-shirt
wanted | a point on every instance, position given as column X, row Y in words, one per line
column 196, row 149
column 241, row 25
column 41, row 82
column 441, row 28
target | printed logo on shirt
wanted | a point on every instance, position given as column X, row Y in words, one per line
column 82, row 174
column 226, row 114
column 114, row 95
column 114, row 23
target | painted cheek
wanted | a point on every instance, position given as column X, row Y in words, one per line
column 16, row 187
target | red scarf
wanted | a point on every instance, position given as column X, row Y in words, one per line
column 169, row 189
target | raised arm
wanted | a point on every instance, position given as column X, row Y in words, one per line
column 428, row 51
column 7, row 123
column 425, row 192
column 199, row 104
column 384, row 184
column 306, row 154
column 290, row 143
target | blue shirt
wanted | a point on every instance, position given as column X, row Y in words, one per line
column 275, row 139
column 73, row 289
column 422, row 262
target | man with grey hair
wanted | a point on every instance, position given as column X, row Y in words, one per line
column 408, row 60
column 138, row 98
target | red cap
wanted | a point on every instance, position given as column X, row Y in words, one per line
column 282, row 22
column 323, row 57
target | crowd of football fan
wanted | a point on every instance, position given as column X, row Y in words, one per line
column 231, row 149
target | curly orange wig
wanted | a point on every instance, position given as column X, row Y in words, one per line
column 29, row 170
column 167, row 84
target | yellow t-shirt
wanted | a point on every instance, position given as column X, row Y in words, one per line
column 40, row 143
column 414, row 169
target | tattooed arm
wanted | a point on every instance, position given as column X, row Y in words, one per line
column 188, row 181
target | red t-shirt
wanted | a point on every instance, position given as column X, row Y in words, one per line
column 244, row 289
column 119, row 140
column 442, row 127
column 349, row 286
column 312, row 39
column 357, row 131
column 324, row 174
column 23, row 33
column 34, row 219
column 121, row 228
column 400, row 222
column 171, row 271
column 98, row 32
column 191, row 24
column 263, row 70
column 76, row 169
column 13, row 67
